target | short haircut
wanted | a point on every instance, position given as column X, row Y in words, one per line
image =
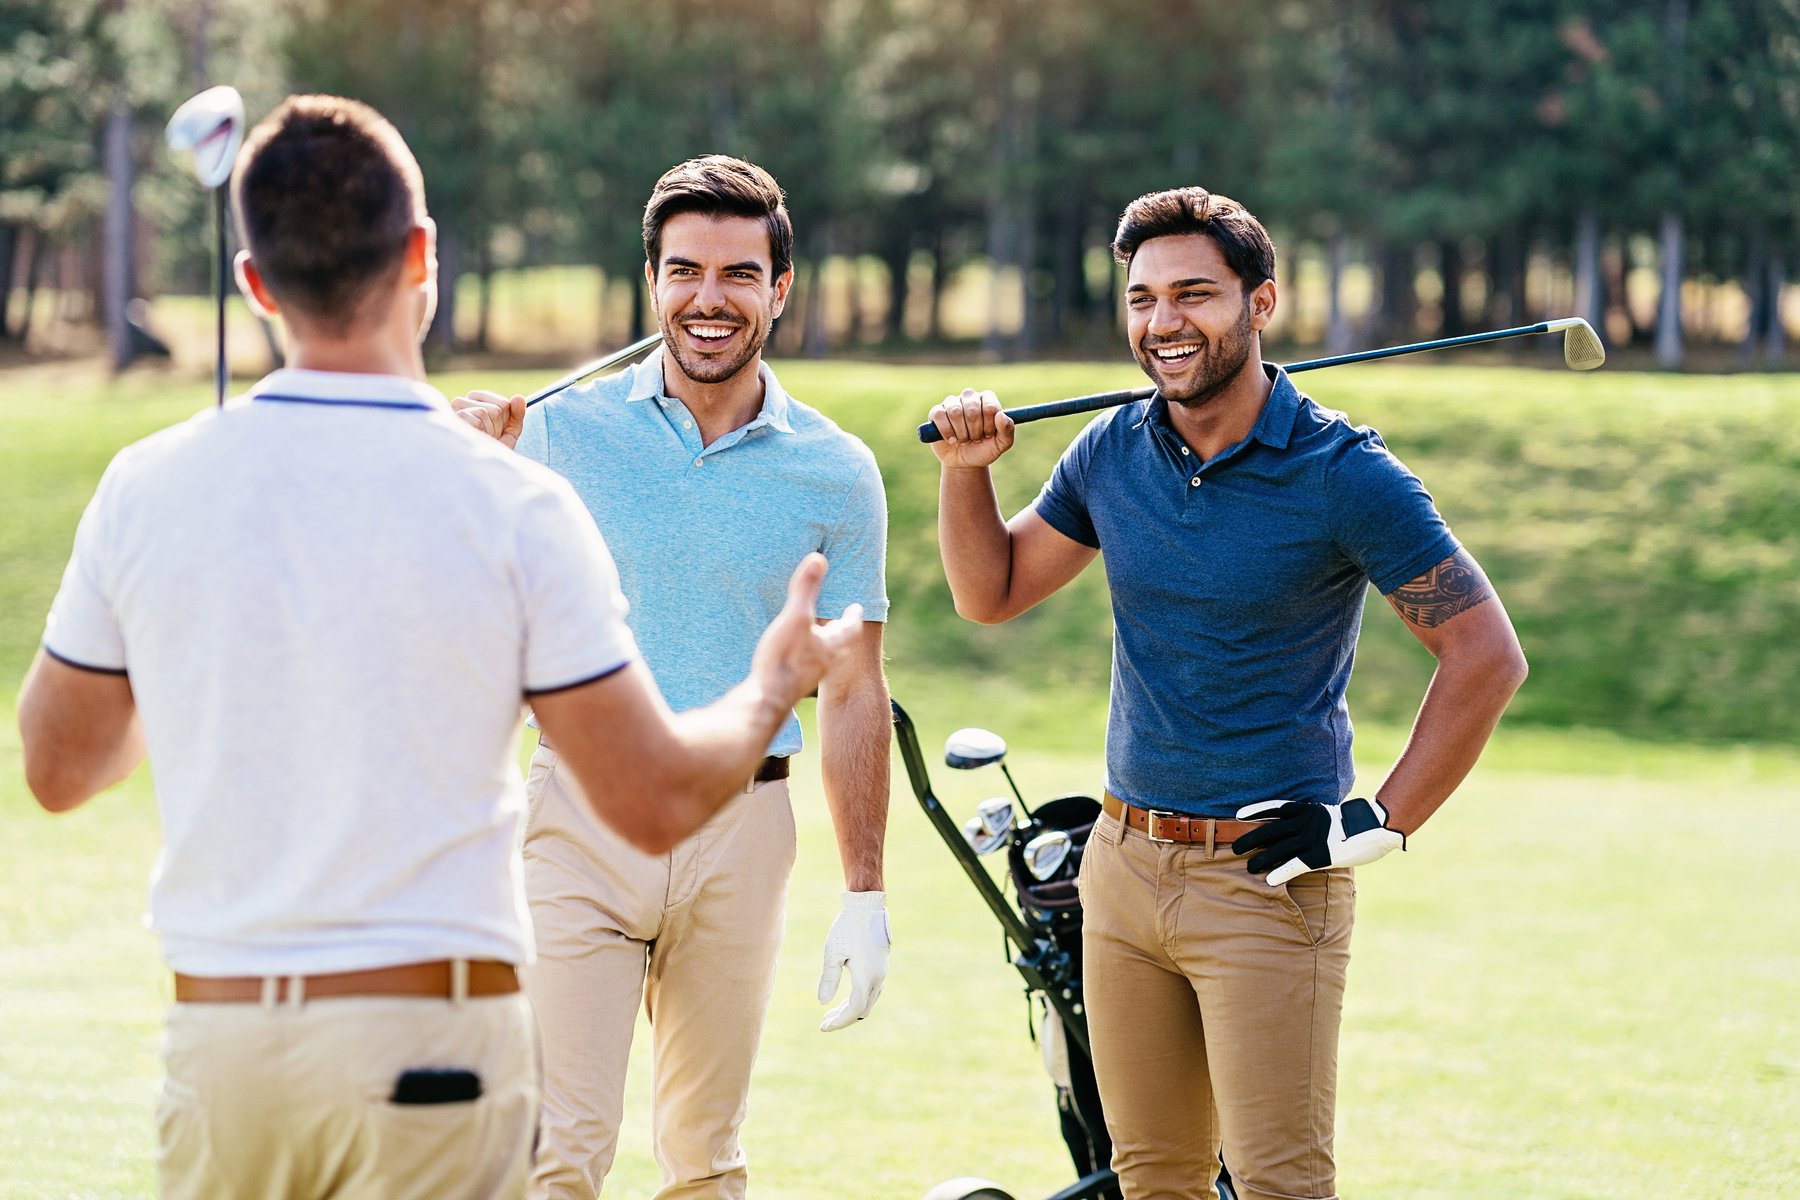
column 718, row 185
column 326, row 195
column 1239, row 235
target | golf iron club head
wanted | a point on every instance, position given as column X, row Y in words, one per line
column 996, row 815
column 1046, row 852
column 981, row 839
column 1582, row 348
column 206, row 132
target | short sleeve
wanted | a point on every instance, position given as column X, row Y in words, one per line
column 856, row 550
column 1063, row 502
column 1382, row 518
column 83, row 627
column 575, row 629
column 534, row 437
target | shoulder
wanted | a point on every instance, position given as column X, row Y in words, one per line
column 819, row 436
column 150, row 458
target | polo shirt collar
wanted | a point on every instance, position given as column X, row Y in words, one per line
column 647, row 384
column 344, row 387
column 1274, row 424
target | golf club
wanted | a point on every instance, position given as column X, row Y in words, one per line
column 205, row 133
column 1046, row 852
column 996, row 815
column 594, row 368
column 1582, row 351
column 981, row 839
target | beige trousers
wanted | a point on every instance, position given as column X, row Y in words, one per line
column 1213, row 1006
column 291, row 1102
column 693, row 936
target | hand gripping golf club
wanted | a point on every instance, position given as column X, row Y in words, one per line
column 594, row 368
column 1582, row 350
column 205, row 134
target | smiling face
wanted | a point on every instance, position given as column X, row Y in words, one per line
column 1192, row 326
column 715, row 294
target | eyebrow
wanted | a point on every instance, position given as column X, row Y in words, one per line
column 1179, row 283
column 675, row 260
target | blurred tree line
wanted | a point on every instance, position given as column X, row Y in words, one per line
column 1441, row 167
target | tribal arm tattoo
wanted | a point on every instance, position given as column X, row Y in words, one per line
column 1453, row 586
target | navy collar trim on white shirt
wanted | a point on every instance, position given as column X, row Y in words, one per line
column 333, row 402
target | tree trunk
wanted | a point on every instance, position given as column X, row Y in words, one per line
column 1337, row 324
column 1397, row 316
column 1450, row 274
column 897, row 256
column 1590, row 300
column 1756, row 296
column 1775, row 340
column 940, row 279
column 117, row 282
column 1668, row 309
column 816, row 336
column 9, row 244
column 33, row 262
column 484, row 267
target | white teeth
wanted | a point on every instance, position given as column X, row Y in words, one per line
column 711, row 331
column 1173, row 354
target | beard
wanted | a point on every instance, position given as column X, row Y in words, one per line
column 1218, row 363
column 707, row 368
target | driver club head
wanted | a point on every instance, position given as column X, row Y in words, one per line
column 967, row 749
column 206, row 131
column 981, row 839
column 1582, row 348
column 1047, row 852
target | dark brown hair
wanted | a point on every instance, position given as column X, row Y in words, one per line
column 720, row 186
column 326, row 195
column 1239, row 235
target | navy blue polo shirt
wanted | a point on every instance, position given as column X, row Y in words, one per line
column 1237, row 592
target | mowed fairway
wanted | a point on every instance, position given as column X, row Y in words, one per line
column 1582, row 982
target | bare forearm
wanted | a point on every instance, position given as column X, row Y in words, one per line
column 1461, row 708
column 79, row 732
column 854, row 733
column 975, row 543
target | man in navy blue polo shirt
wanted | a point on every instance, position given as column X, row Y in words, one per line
column 1242, row 525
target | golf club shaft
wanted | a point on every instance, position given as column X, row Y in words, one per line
column 594, row 368
column 1079, row 404
column 222, row 371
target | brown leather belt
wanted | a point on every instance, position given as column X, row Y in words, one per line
column 409, row 979
column 1161, row 826
column 768, row 771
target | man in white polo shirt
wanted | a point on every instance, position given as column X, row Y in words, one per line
column 321, row 609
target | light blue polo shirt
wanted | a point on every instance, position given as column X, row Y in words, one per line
column 706, row 537
column 1237, row 591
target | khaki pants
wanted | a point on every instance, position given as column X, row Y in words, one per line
column 290, row 1102
column 693, row 936
column 1213, row 1006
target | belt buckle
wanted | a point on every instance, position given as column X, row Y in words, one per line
column 1150, row 818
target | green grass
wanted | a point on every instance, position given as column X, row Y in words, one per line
column 1579, row 983
column 1583, row 981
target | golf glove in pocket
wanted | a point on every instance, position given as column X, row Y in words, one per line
column 859, row 940
column 1296, row 838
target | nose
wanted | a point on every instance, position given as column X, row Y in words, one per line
column 711, row 296
column 1165, row 319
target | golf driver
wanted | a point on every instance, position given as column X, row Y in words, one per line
column 1046, row 852
column 1582, row 351
column 205, row 133
column 594, row 368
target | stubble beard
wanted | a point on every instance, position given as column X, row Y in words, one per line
column 1220, row 363
column 702, row 370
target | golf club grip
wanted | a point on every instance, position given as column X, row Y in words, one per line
column 928, row 432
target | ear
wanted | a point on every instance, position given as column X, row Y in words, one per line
column 418, row 268
column 650, row 283
column 1262, row 305
column 250, row 282
column 783, row 282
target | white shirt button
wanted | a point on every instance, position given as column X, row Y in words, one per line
column 698, row 461
column 1194, row 482
column 687, row 424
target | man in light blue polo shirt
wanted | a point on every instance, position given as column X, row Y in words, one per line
column 709, row 483
column 1242, row 525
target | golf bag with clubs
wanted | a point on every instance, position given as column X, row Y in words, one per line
column 1043, row 848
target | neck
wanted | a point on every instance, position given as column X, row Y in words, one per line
column 721, row 407
column 1228, row 415
column 387, row 349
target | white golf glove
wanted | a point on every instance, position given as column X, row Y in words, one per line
column 1296, row 838
column 859, row 940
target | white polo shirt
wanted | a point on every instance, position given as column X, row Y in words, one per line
column 332, row 597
